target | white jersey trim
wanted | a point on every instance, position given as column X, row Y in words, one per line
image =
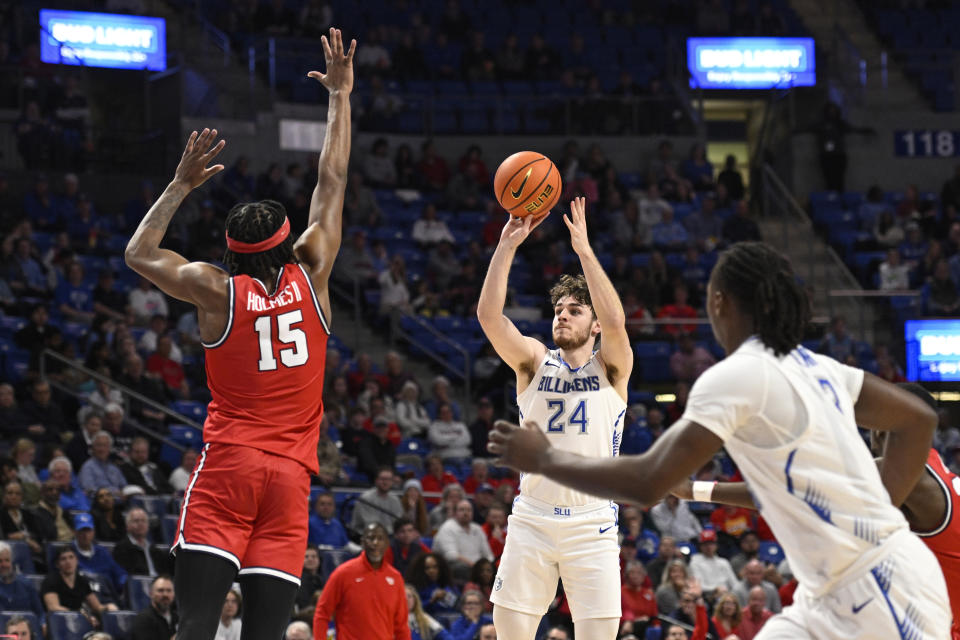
column 948, row 514
column 226, row 330
column 266, row 571
column 316, row 301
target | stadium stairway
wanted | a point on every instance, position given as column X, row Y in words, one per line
column 822, row 17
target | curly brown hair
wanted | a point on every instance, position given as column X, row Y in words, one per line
column 573, row 286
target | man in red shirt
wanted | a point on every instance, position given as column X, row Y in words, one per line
column 636, row 600
column 365, row 596
column 733, row 521
column 754, row 615
column 264, row 327
column 168, row 369
column 678, row 309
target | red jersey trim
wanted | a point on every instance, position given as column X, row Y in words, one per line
column 226, row 330
column 276, row 285
column 948, row 514
column 316, row 301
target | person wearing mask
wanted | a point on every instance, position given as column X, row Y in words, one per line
column 159, row 620
column 365, row 596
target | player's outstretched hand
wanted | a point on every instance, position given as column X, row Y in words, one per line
column 684, row 490
column 517, row 229
column 522, row 448
column 200, row 150
column 577, row 223
column 339, row 75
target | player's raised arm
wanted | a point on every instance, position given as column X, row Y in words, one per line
column 197, row 282
column 910, row 423
column 615, row 347
column 519, row 352
column 317, row 247
column 642, row 479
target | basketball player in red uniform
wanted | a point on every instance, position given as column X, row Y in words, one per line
column 264, row 325
column 930, row 507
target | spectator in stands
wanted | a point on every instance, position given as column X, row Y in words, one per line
column 180, row 477
column 159, row 620
column 679, row 308
column 837, row 343
column 705, row 228
column 406, row 544
column 107, row 301
column 372, row 55
column 711, row 570
column 463, row 192
column 158, row 327
column 753, row 576
column 50, row 516
column 134, row 552
column 944, row 298
column 64, row 589
column 441, row 394
column 473, row 617
column 495, row 528
column 450, row 438
column 23, row 453
column 479, row 429
column 405, row 167
column 133, row 376
column 16, row 592
column 355, row 260
column 72, row 497
column 109, row 525
column 451, row 496
column 461, row 541
column 412, row 417
column 831, row 133
column 510, row 60
column 169, row 370
column 78, row 449
column 472, row 165
column 10, row 414
column 230, row 617
column 376, row 451
column 755, row 614
column 731, row 179
column 669, row 234
column 237, row 179
column 18, row 523
column 887, row 231
column 430, row 576
column 93, row 558
column 673, row 517
column 103, row 394
column 330, row 470
column 672, row 585
column 749, row 550
column 377, row 504
column 915, row 246
column 479, row 475
column 270, row 184
column 360, row 204
column 394, row 294
column 325, row 529
column 422, row 625
column 436, row 477
column 541, row 60
column 139, row 471
column 98, row 471
column 17, row 626
column 74, row 298
column 433, row 169
column 893, row 273
column 311, row 583
column 740, row 227
column 378, row 168
column 414, row 506
column 428, row 230
column 478, row 63
column 689, row 360
column 697, row 169
column 146, row 301
column 637, row 600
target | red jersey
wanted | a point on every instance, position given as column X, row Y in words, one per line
column 366, row 603
column 265, row 373
column 944, row 541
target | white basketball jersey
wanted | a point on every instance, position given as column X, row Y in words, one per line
column 789, row 424
column 580, row 411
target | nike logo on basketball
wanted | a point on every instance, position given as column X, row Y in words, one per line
column 604, row 530
column 856, row 608
column 516, row 194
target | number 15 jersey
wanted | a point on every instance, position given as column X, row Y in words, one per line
column 580, row 412
column 265, row 373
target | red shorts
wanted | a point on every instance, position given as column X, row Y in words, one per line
column 248, row 506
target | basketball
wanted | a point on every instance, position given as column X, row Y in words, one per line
column 527, row 182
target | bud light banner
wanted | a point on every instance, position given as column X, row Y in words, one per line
column 103, row 40
column 933, row 350
column 751, row 63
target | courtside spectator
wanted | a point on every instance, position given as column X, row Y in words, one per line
column 159, row 620
column 377, row 505
column 326, row 530
column 672, row 517
column 134, row 552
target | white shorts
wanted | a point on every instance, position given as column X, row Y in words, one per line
column 577, row 544
column 903, row 596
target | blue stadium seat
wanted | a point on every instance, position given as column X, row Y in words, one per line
column 138, row 592
column 687, row 548
column 653, row 633
column 68, row 625
column 330, row 559
column 168, row 526
column 119, row 624
column 35, row 580
column 770, row 552
column 22, row 556
column 30, row 617
column 155, row 506
column 186, row 435
column 195, row 410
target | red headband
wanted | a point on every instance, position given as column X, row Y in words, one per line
column 256, row 247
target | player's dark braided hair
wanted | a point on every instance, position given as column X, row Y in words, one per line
column 762, row 282
column 253, row 222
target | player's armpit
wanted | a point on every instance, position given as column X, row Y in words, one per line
column 199, row 283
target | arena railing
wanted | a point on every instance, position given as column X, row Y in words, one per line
column 398, row 331
column 127, row 392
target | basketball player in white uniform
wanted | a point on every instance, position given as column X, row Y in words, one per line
column 789, row 419
column 578, row 396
